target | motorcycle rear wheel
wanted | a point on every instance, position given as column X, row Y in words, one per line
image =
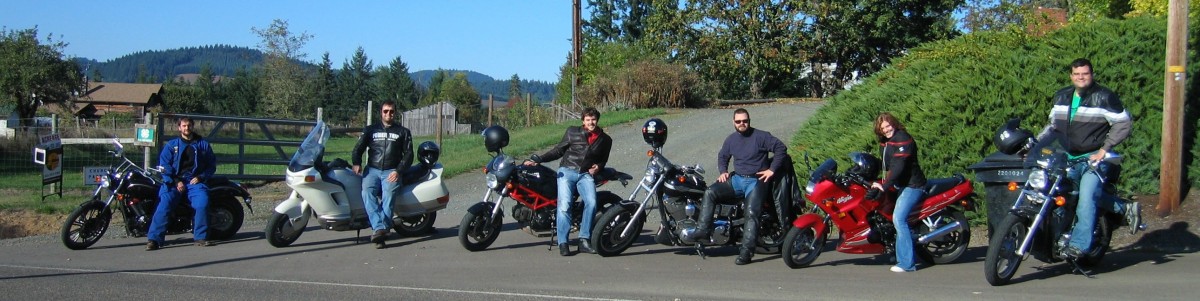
column 950, row 247
column 225, row 217
column 281, row 232
column 801, row 247
column 1002, row 261
column 85, row 225
column 475, row 233
column 416, row 225
column 607, row 238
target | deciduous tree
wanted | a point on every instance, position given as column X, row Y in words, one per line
column 35, row 73
column 283, row 81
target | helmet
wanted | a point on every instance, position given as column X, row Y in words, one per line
column 1010, row 138
column 655, row 132
column 495, row 138
column 864, row 165
column 428, row 152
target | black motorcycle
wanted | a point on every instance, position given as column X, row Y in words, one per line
column 678, row 191
column 134, row 192
column 1039, row 222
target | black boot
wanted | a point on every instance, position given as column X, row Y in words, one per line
column 707, row 205
column 744, row 256
column 564, row 249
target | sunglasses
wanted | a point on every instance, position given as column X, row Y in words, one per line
column 747, row 120
column 388, row 111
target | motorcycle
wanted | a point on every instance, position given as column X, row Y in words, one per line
column 331, row 191
column 1040, row 221
column 864, row 221
column 679, row 191
column 133, row 191
column 535, row 189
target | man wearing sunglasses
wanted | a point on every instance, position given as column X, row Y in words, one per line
column 748, row 147
column 389, row 152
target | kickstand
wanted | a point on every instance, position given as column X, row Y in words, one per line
column 1076, row 268
column 700, row 251
column 552, row 244
column 358, row 236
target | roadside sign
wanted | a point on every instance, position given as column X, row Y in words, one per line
column 92, row 173
column 49, row 153
column 144, row 135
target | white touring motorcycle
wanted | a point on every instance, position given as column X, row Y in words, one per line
column 331, row 192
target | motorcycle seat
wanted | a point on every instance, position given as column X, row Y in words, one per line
column 940, row 185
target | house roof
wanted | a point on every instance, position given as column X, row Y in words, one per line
column 122, row 93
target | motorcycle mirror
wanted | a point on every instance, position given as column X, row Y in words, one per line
column 118, row 149
column 699, row 169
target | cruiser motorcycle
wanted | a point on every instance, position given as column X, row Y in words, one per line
column 864, row 219
column 535, row 190
column 679, row 190
column 331, row 192
column 133, row 191
column 1039, row 222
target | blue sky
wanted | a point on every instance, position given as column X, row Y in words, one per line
column 496, row 38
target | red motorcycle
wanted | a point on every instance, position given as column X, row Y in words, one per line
column 535, row 190
column 941, row 229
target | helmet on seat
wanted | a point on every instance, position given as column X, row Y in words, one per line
column 428, row 152
column 864, row 165
column 655, row 132
column 495, row 138
column 1011, row 138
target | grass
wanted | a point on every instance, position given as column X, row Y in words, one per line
column 460, row 154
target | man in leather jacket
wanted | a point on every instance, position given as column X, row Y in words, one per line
column 389, row 152
column 1091, row 120
column 584, row 152
column 748, row 147
column 186, row 162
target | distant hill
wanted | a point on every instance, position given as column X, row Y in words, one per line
column 225, row 60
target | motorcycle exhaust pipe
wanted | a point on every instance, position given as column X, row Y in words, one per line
column 939, row 232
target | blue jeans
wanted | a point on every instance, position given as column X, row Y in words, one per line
column 380, row 214
column 743, row 185
column 904, row 239
column 167, row 198
column 570, row 182
column 1091, row 196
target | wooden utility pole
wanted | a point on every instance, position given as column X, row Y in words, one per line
column 576, row 47
column 1172, row 129
column 440, row 115
column 491, row 106
column 528, row 109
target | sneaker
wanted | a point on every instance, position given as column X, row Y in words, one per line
column 898, row 269
column 380, row 245
column 564, row 249
column 1133, row 216
column 205, row 243
column 585, row 246
column 152, row 245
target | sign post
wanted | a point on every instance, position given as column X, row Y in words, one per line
column 49, row 154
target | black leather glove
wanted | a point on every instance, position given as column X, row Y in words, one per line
column 873, row 194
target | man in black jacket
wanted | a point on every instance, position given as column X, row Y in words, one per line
column 1091, row 120
column 389, row 152
column 584, row 152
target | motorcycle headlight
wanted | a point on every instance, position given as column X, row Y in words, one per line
column 105, row 182
column 493, row 182
column 1037, row 180
column 810, row 187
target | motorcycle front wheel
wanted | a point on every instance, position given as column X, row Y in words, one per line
column 949, row 247
column 475, row 233
column 225, row 217
column 801, row 247
column 281, row 232
column 416, row 225
column 607, row 236
column 1002, row 261
column 85, row 225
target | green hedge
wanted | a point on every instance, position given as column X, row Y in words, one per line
column 952, row 95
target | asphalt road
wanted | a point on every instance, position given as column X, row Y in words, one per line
column 324, row 265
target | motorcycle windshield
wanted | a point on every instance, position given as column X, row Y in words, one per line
column 1044, row 147
column 311, row 149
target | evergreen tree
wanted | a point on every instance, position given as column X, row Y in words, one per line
column 354, row 84
column 395, row 84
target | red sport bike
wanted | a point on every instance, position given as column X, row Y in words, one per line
column 941, row 229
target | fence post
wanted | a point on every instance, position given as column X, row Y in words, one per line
column 439, row 122
column 319, row 114
column 370, row 104
column 528, row 109
column 146, row 149
column 491, row 106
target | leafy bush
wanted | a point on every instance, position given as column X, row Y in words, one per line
column 952, row 95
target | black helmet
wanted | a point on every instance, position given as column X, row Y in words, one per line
column 428, row 152
column 864, row 165
column 495, row 138
column 655, row 132
column 1010, row 138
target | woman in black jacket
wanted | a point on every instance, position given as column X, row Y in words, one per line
column 902, row 171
